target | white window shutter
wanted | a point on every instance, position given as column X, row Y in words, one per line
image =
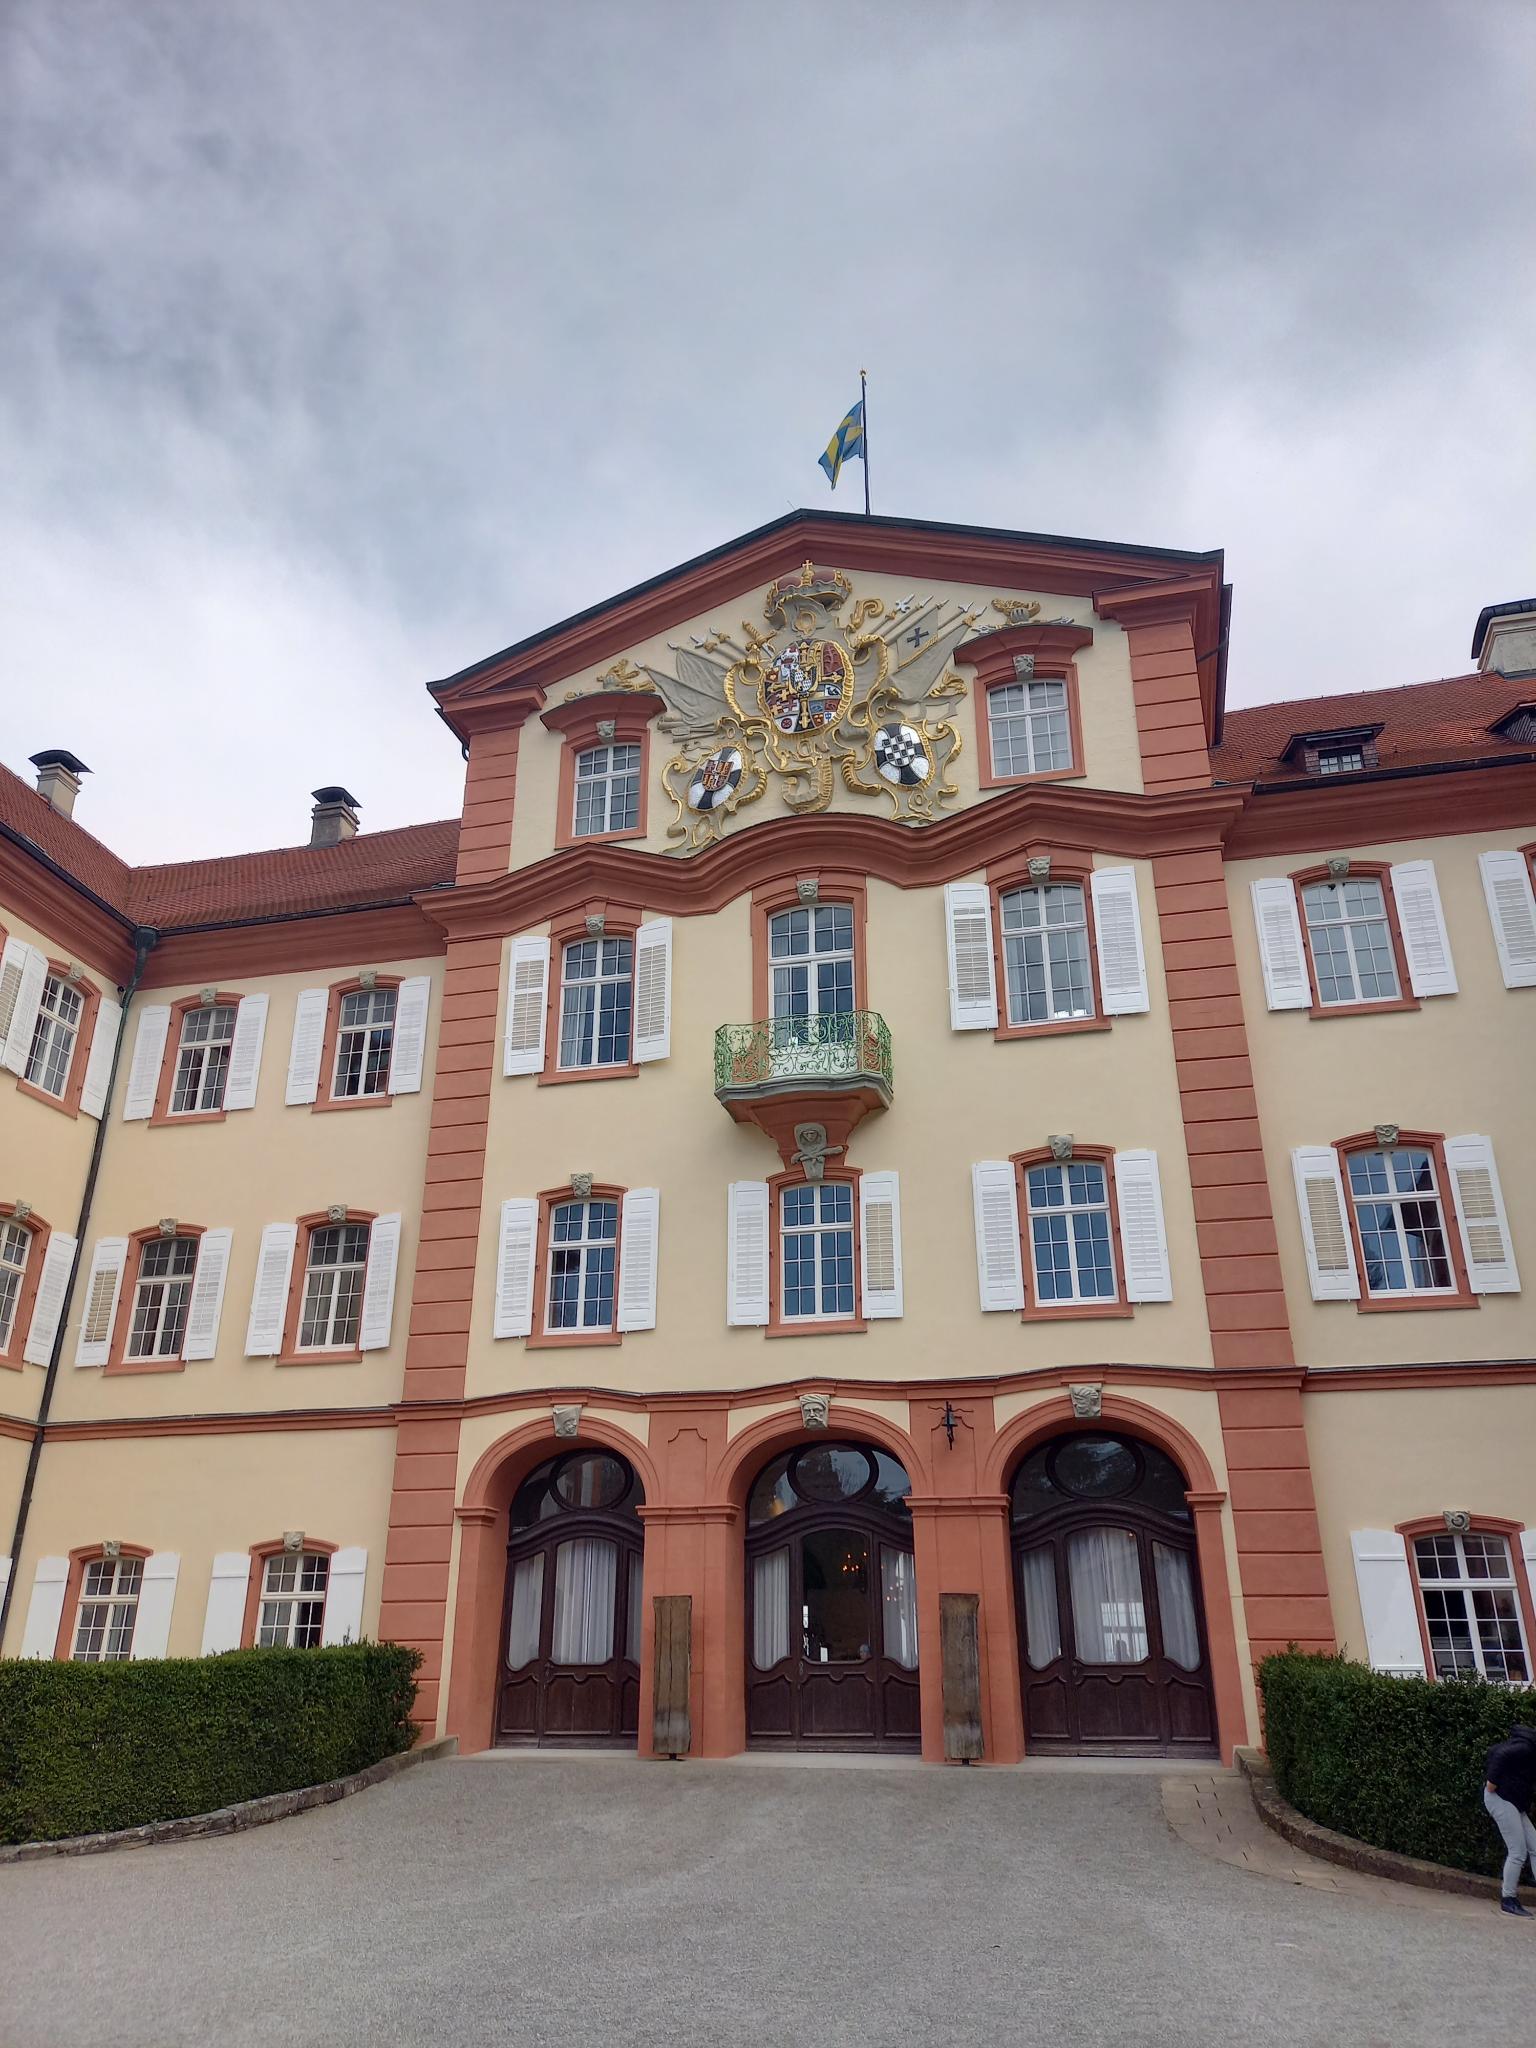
column 109, row 1258
column 269, row 1296
column 206, row 1303
column 379, row 1283
column 413, row 999
column 157, row 1596
column 527, row 1001
column 48, row 1305
column 1325, row 1224
column 148, row 1054
column 1143, row 1233
column 1527, row 1551
column 45, row 1610
column 5, row 1575
column 653, row 991
column 13, row 960
column 224, row 1617
column 98, row 1065
column 1287, row 985
column 999, row 1257
column 1485, row 1238
column 245, row 1053
column 514, row 1267
column 972, row 970
column 747, row 1251
column 1431, row 971
column 1117, row 927
column 24, row 1008
column 1388, row 1603
column 343, row 1621
column 1512, row 913
column 880, row 1243
column 305, row 1047
column 639, row 1238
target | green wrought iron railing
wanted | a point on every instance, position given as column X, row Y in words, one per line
column 855, row 1042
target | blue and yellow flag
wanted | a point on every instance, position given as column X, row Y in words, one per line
column 846, row 443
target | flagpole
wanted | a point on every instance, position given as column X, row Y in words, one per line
column 864, row 416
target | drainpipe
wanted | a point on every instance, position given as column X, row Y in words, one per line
column 145, row 939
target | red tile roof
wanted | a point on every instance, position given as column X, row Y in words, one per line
column 373, row 868
column 1421, row 723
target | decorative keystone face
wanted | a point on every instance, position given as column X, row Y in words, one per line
column 1087, row 1402
column 567, row 1419
column 1386, row 1134
column 1061, row 1147
column 581, row 1186
column 815, row 1410
column 293, row 1540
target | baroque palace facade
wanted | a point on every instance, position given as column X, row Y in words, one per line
column 895, row 1180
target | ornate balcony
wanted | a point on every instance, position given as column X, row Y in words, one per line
column 785, row 1071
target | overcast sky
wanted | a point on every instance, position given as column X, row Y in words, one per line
column 342, row 344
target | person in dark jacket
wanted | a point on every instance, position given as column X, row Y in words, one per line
column 1511, row 1772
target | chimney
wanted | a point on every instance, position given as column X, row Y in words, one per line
column 58, row 779
column 1504, row 642
column 334, row 817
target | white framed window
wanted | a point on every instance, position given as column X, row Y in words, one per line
column 816, row 1265
column 596, row 1002
column 293, row 1589
column 1029, row 728
column 1352, row 952
column 160, row 1298
column 202, row 1059
column 1071, row 1241
column 1472, row 1606
column 15, row 1244
column 1340, row 760
column 365, row 1038
column 607, row 783
column 109, row 1608
column 583, row 1265
column 54, row 1034
column 335, row 1268
column 810, row 961
column 1401, row 1220
column 1045, row 953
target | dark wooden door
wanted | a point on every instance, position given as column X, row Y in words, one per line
column 570, row 1639
column 1112, row 1645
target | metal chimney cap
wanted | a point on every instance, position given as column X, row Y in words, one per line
column 59, row 757
column 333, row 793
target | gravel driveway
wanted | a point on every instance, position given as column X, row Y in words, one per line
column 577, row 1900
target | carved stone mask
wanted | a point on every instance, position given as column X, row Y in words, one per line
column 815, row 1410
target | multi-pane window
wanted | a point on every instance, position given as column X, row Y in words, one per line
column 1340, row 760
column 1069, row 1231
column 159, row 1326
column 816, row 1252
column 202, row 1060
column 596, row 1002
column 1351, row 941
column 293, row 1585
column 607, row 791
column 1045, row 953
column 365, row 1037
column 1030, row 731
column 109, row 1606
column 583, row 1256
column 15, row 1243
column 333, row 1287
column 53, row 1036
column 1472, row 1606
column 810, row 958
column 1401, row 1221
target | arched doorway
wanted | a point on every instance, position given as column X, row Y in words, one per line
column 1112, row 1643
column 570, row 1638
column 831, row 1602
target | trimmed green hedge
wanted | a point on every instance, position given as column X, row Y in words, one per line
column 1396, row 1762
column 89, row 1747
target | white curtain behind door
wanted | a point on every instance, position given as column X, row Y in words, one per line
column 770, row 1609
column 636, row 1608
column 898, row 1601
column 1176, row 1606
column 1042, row 1620
column 586, row 1577
column 1109, row 1616
column 527, row 1611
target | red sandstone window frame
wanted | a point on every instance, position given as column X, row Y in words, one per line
column 1433, row 1142
column 810, row 1326
column 1003, row 878
column 325, row 1099
column 576, row 723
column 620, row 921
column 69, row 1613
column 1485, row 1525
column 992, row 655
column 1035, row 1310
column 162, row 1113
column 38, row 1233
column 260, row 1552
column 80, row 1052
column 1371, row 870
column 118, row 1360
column 833, row 886
column 540, row 1337
column 288, row 1351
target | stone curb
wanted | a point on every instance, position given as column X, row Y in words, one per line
column 233, row 1820
column 1306, row 1834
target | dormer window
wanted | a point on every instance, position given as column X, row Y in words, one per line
column 1347, row 750
column 1340, row 760
column 1518, row 725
